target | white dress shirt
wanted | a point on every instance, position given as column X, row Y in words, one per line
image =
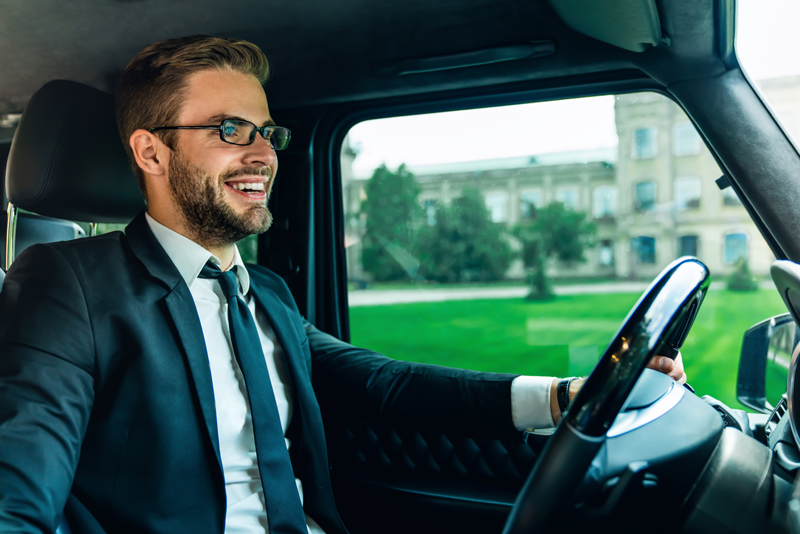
column 246, row 509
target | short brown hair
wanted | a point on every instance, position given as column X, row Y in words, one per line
column 153, row 86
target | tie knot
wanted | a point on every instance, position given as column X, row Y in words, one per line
column 227, row 279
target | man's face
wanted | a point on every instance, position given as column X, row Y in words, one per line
column 220, row 189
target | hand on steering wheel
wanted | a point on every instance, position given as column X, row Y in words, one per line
column 661, row 317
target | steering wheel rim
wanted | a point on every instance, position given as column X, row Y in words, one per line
column 662, row 315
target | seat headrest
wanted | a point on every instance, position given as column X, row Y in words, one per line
column 67, row 160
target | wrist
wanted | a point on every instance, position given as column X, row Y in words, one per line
column 562, row 392
column 554, row 411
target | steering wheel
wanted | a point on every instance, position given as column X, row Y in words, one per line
column 662, row 317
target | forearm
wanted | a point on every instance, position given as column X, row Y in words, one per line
column 349, row 380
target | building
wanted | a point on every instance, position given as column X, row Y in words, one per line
column 654, row 197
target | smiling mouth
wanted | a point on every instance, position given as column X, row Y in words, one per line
column 248, row 187
column 250, row 190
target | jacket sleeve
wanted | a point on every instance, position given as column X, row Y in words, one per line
column 421, row 396
column 46, row 388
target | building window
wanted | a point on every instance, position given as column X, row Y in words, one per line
column 605, row 253
column 685, row 141
column 645, row 198
column 605, row 201
column 687, row 245
column 644, row 143
column 430, row 207
column 529, row 203
column 730, row 198
column 644, row 249
column 496, row 204
column 687, row 193
column 568, row 196
column 735, row 248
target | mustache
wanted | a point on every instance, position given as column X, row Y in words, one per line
column 247, row 171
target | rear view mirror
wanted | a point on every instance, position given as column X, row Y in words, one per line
column 764, row 363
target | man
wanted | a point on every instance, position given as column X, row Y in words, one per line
column 166, row 387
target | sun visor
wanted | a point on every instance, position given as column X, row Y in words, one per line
column 630, row 24
column 67, row 160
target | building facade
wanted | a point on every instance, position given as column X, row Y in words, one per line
column 653, row 198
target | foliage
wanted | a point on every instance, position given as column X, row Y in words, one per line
column 553, row 232
column 463, row 244
column 741, row 279
column 390, row 209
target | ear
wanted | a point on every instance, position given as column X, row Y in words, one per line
column 150, row 153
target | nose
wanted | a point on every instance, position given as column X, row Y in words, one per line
column 261, row 153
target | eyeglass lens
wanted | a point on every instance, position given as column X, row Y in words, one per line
column 243, row 133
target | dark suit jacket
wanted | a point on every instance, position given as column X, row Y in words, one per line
column 106, row 392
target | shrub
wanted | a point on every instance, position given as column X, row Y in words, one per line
column 741, row 279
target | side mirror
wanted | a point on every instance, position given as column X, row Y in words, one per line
column 764, row 363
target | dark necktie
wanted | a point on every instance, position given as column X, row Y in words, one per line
column 284, row 510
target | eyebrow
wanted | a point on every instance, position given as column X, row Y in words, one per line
column 217, row 119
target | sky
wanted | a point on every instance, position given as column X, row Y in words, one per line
column 766, row 47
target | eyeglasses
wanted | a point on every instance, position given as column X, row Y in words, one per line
column 239, row 132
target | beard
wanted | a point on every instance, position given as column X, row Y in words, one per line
column 200, row 197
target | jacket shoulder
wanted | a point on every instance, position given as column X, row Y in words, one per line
column 264, row 278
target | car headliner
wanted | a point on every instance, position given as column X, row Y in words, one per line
column 326, row 51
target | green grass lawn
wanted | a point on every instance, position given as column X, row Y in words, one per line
column 562, row 337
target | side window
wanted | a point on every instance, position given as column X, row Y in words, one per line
column 497, row 204
column 568, row 196
column 735, row 248
column 687, row 193
column 530, row 202
column 687, row 245
column 729, row 197
column 645, row 196
column 523, row 252
column 605, row 253
column 685, row 141
column 644, row 143
column 605, row 202
column 644, row 249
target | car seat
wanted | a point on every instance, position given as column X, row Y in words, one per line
column 31, row 228
column 67, row 162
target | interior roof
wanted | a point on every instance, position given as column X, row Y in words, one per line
column 325, row 51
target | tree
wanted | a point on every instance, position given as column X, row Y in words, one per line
column 553, row 232
column 463, row 245
column 741, row 279
column 391, row 209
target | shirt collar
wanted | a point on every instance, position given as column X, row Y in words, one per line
column 189, row 257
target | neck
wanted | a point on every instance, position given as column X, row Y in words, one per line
column 223, row 251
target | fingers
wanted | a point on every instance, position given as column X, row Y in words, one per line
column 671, row 368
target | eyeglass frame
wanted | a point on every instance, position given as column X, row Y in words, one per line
column 256, row 129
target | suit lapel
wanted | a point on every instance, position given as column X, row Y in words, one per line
column 286, row 332
column 183, row 311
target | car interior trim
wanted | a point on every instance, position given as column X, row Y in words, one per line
column 629, row 24
column 631, row 420
column 531, row 50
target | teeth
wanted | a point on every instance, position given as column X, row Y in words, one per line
column 241, row 186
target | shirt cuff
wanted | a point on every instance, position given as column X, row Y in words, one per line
column 530, row 402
